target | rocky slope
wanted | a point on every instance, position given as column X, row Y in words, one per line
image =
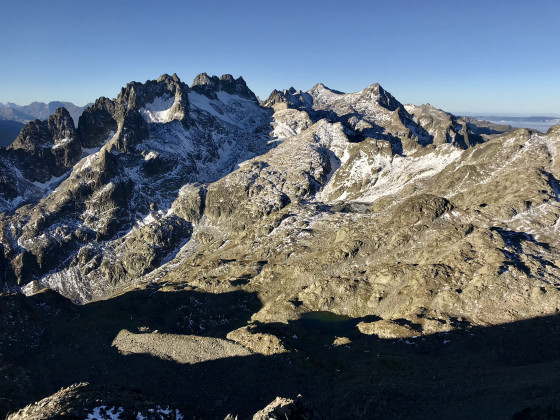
column 350, row 212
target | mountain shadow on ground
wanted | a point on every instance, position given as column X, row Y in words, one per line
column 474, row 372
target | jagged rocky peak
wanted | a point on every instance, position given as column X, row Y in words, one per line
column 125, row 118
column 96, row 122
column 292, row 97
column 319, row 86
column 169, row 79
column 321, row 97
column 138, row 96
column 211, row 85
column 372, row 94
column 52, row 146
column 381, row 96
column 57, row 129
column 43, row 151
column 203, row 80
column 274, row 98
column 61, row 125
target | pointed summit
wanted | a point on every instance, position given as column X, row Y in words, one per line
column 321, row 88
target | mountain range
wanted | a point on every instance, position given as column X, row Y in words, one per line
column 13, row 117
column 193, row 251
column 541, row 123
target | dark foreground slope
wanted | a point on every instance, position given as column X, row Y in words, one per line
column 471, row 372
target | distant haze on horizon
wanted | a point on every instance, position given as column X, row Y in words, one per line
column 484, row 57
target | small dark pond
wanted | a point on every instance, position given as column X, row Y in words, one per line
column 329, row 323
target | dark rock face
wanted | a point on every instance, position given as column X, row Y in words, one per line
column 9, row 190
column 291, row 97
column 123, row 117
column 209, row 86
column 137, row 95
column 53, row 145
column 96, row 122
column 44, row 134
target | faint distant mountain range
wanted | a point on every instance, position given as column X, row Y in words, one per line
column 13, row 116
column 541, row 123
column 38, row 110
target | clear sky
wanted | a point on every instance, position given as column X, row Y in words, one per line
column 469, row 56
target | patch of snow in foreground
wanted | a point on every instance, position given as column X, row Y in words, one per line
column 174, row 414
column 101, row 413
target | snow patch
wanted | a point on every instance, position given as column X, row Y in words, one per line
column 101, row 413
column 151, row 155
column 402, row 171
column 160, row 110
column 60, row 143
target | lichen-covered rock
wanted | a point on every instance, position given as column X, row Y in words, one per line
column 257, row 342
column 421, row 207
column 190, row 203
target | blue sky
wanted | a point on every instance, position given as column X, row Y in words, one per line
column 476, row 56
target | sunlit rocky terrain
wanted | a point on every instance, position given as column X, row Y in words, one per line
column 193, row 252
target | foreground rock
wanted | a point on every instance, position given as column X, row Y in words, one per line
column 81, row 401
